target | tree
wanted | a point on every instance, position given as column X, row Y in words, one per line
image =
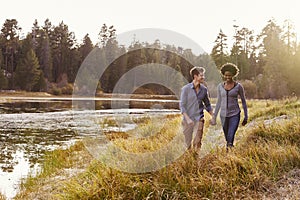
column 48, row 28
column 106, row 34
column 86, row 47
column 41, row 46
column 294, row 72
column 41, row 84
column 291, row 56
column 10, row 33
column 3, row 79
column 111, row 49
column 28, row 72
column 289, row 37
column 62, row 43
column 241, row 51
column 272, row 49
column 218, row 53
column 45, row 56
column 212, row 73
column 35, row 33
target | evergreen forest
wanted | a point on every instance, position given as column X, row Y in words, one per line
column 48, row 58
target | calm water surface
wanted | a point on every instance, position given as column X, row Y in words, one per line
column 30, row 127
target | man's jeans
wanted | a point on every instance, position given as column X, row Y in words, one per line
column 230, row 126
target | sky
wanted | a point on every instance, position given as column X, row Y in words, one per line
column 198, row 20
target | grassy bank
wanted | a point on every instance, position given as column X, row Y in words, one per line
column 264, row 164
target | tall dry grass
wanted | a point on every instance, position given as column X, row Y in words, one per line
column 248, row 171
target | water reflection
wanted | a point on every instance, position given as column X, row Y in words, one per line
column 32, row 142
column 18, row 106
column 39, row 105
column 22, row 167
column 21, row 150
column 29, row 128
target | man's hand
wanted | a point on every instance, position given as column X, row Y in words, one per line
column 189, row 121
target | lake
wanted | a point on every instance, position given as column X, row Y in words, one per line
column 30, row 126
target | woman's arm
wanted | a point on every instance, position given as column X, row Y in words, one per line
column 244, row 104
column 218, row 105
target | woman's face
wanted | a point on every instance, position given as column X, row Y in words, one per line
column 228, row 76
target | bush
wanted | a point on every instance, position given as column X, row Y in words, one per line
column 68, row 89
column 56, row 91
column 250, row 88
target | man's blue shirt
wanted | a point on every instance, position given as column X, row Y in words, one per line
column 194, row 103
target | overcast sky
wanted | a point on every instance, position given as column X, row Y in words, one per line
column 197, row 20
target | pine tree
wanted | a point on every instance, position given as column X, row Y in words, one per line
column 241, row 51
column 28, row 72
column 272, row 48
column 45, row 56
column 86, row 47
column 10, row 32
column 3, row 79
column 62, row 43
column 219, row 54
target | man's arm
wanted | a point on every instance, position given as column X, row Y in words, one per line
column 208, row 104
column 183, row 105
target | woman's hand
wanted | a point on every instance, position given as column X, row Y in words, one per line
column 244, row 122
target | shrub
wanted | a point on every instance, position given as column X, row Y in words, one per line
column 250, row 88
column 56, row 91
column 68, row 89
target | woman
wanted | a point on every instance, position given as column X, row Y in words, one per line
column 228, row 92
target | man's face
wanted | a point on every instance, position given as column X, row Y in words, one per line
column 201, row 77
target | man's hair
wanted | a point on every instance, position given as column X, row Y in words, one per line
column 231, row 68
column 196, row 70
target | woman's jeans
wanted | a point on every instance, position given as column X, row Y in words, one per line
column 230, row 126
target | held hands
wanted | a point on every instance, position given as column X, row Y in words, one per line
column 213, row 121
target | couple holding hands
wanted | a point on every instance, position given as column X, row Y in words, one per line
column 194, row 99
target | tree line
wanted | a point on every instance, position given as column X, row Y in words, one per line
column 269, row 62
column 49, row 57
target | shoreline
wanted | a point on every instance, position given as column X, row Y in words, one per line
column 104, row 95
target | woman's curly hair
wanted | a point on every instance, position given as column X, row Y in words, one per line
column 231, row 68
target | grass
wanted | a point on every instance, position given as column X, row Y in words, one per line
column 262, row 157
column 24, row 94
column 2, row 197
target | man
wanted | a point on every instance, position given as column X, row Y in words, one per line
column 193, row 100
